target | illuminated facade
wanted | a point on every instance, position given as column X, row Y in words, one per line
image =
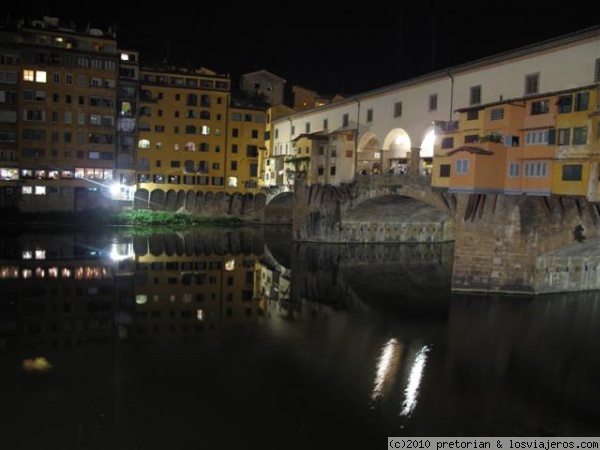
column 398, row 127
column 536, row 145
column 127, row 114
column 58, row 88
column 182, row 131
column 246, row 138
column 84, row 125
column 272, row 164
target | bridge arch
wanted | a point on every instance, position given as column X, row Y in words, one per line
column 279, row 208
column 399, row 147
column 369, row 154
column 345, row 213
column 394, row 185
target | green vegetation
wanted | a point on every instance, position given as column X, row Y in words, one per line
column 161, row 218
column 99, row 218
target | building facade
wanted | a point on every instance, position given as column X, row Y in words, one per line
column 521, row 94
column 58, row 98
column 84, row 125
column 543, row 144
column 182, row 133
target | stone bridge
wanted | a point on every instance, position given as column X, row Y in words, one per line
column 374, row 208
column 502, row 243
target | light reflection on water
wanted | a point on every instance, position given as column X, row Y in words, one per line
column 414, row 382
column 220, row 338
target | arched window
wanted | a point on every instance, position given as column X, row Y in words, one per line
column 190, row 129
column 232, row 181
column 144, row 143
column 190, row 147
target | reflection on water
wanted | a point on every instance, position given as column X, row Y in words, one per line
column 216, row 338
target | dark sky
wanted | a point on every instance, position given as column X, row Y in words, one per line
column 348, row 50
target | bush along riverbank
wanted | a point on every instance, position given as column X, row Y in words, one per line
column 98, row 218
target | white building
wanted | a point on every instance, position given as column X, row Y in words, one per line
column 396, row 123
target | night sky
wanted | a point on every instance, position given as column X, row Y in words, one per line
column 349, row 50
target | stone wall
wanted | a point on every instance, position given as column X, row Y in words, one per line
column 247, row 206
column 504, row 243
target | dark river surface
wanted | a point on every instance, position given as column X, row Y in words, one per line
column 240, row 338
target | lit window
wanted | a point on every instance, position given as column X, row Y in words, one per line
column 40, row 76
column 28, row 75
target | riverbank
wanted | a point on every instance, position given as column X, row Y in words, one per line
column 102, row 218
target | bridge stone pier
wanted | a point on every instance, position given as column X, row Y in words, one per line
column 502, row 243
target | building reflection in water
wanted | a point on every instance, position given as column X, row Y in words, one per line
column 78, row 290
column 371, row 329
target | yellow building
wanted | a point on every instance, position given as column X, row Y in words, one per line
column 245, row 142
column 310, row 160
column 182, row 127
column 575, row 170
column 539, row 145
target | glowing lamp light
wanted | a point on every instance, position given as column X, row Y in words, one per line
column 115, row 190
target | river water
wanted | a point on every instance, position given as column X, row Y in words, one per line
column 241, row 338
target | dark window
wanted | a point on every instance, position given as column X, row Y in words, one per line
column 532, row 84
column 582, row 100
column 398, row 109
column 540, row 107
column 444, row 170
column 448, row 142
column 473, row 114
column 565, row 103
column 572, row 172
column 475, row 97
column 579, row 135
